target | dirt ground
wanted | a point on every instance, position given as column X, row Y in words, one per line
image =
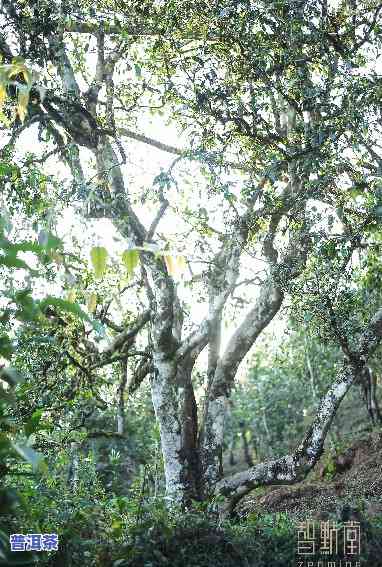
column 343, row 483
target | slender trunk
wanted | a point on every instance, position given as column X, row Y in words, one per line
column 121, row 399
column 255, row 445
column 369, row 386
column 311, row 373
column 73, row 477
column 246, row 451
column 268, row 435
column 232, row 460
column 315, row 395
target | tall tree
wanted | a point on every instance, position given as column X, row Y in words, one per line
column 279, row 104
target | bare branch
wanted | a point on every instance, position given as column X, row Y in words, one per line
column 5, row 50
column 158, row 217
column 111, row 324
column 222, row 282
column 64, row 66
column 121, row 339
column 150, row 141
column 182, row 152
column 96, row 85
column 267, row 305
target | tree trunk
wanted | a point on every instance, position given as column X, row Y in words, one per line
column 246, row 447
column 176, row 413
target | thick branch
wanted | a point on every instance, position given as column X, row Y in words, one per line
column 164, row 305
column 222, row 281
column 64, row 66
column 158, row 217
column 209, row 157
column 150, row 141
column 139, row 374
column 267, row 305
column 121, row 339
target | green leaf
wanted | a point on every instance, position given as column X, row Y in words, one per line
column 12, row 262
column 32, row 424
column 48, row 241
column 98, row 256
column 5, row 168
column 130, row 259
column 175, row 264
column 28, row 309
column 22, row 101
column 169, row 261
column 6, row 348
column 72, row 295
column 92, row 302
column 12, row 249
column 3, row 94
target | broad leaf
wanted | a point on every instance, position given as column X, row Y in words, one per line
column 48, row 241
column 72, row 295
column 175, row 264
column 12, row 262
column 130, row 259
column 22, row 101
column 3, row 95
column 170, row 264
column 98, row 255
column 33, row 422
